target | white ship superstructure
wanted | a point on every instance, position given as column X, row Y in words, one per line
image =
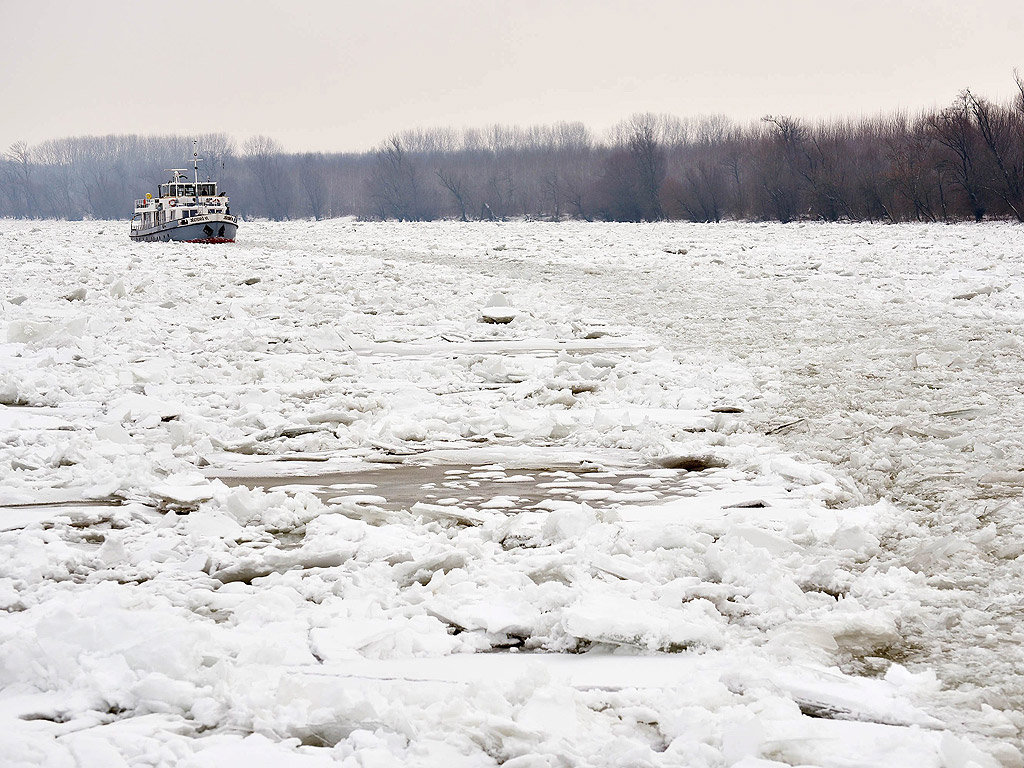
column 186, row 210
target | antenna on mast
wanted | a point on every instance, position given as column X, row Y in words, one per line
column 195, row 161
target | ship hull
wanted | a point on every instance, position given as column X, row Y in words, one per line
column 198, row 229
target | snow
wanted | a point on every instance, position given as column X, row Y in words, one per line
column 512, row 493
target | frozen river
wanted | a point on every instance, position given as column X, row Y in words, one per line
column 717, row 495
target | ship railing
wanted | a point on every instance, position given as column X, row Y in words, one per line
column 183, row 200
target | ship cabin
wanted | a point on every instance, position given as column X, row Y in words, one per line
column 179, row 189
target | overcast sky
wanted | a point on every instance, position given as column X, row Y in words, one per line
column 320, row 75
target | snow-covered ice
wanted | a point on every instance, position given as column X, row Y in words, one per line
column 732, row 495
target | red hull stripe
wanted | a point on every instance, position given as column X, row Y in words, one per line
column 212, row 240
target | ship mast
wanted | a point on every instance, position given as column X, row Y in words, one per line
column 195, row 162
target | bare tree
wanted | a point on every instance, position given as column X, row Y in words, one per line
column 262, row 156
column 57, row 158
column 394, row 182
column 19, row 158
column 455, row 184
column 1002, row 133
column 954, row 129
column 777, row 161
column 313, row 181
column 649, row 158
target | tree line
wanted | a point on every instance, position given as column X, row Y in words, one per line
column 963, row 161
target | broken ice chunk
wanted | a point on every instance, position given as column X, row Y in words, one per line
column 621, row 620
column 497, row 310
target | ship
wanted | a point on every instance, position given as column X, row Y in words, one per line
column 184, row 210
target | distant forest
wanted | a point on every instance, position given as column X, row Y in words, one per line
column 963, row 162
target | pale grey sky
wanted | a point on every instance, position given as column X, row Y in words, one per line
column 331, row 76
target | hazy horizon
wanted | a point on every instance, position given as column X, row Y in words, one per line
column 338, row 77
